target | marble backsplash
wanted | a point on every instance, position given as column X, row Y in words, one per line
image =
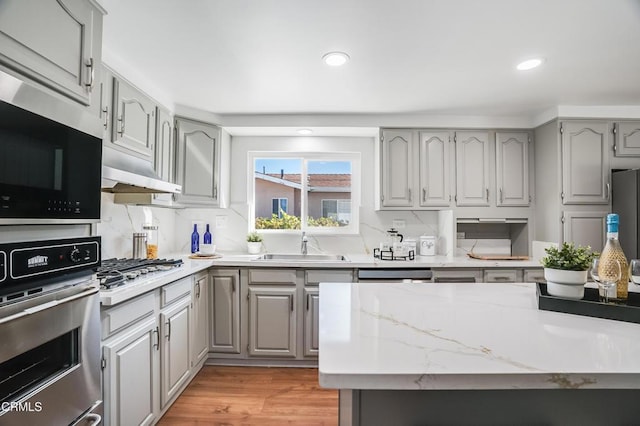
column 119, row 222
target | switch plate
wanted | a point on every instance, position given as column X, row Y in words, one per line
column 221, row 222
column 398, row 224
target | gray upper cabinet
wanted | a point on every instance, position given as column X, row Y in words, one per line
column 626, row 136
column 198, row 162
column 397, row 170
column 55, row 43
column 165, row 152
column 512, row 168
column 224, row 309
column 585, row 162
column 133, row 123
column 472, row 168
column 434, row 169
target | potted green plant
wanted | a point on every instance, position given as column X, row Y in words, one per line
column 566, row 269
column 254, row 243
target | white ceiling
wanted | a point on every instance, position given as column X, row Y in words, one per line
column 408, row 57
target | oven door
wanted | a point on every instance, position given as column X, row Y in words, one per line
column 50, row 358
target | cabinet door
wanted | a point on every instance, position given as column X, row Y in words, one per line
column 129, row 378
column 57, row 43
column 225, row 312
column 199, row 340
column 585, row 162
column 133, row 123
column 174, row 330
column 472, row 168
column 626, row 139
column 311, row 321
column 585, row 228
column 397, row 169
column 434, row 169
column 165, row 152
column 197, row 162
column 502, row 275
column 512, row 168
column 272, row 321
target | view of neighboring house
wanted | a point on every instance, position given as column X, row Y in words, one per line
column 329, row 195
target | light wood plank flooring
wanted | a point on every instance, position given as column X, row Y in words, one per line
column 225, row 396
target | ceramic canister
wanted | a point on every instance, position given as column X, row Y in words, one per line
column 427, row 245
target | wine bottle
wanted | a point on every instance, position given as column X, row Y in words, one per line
column 207, row 236
column 611, row 252
column 195, row 239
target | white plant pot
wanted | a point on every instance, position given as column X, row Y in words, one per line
column 567, row 284
column 254, row 247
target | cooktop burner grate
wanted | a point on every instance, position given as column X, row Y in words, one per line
column 116, row 272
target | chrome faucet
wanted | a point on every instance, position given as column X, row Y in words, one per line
column 303, row 245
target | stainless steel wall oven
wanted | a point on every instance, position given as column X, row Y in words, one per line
column 50, row 333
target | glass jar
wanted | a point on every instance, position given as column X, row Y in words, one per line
column 152, row 240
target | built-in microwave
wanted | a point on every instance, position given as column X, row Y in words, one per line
column 49, row 172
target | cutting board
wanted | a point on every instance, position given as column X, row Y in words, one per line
column 205, row 256
column 496, row 257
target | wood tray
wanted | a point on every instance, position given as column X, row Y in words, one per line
column 496, row 257
column 590, row 305
column 205, row 256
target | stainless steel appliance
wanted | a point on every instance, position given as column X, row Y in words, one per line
column 116, row 272
column 394, row 275
column 50, row 333
column 625, row 201
column 49, row 172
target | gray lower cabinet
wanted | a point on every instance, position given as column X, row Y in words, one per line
column 311, row 321
column 533, row 275
column 200, row 329
column 272, row 321
column 55, row 43
column 502, row 275
column 457, row 275
column 224, row 308
column 174, row 353
column 198, row 162
column 133, row 126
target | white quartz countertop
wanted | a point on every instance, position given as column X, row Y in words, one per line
column 466, row 336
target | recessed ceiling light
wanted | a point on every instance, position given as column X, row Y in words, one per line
column 335, row 59
column 529, row 64
column 305, row 132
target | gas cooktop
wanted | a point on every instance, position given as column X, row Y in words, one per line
column 116, row 272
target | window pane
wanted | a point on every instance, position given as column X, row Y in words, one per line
column 328, row 193
column 277, row 180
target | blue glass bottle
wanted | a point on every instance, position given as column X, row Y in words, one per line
column 195, row 239
column 207, row 236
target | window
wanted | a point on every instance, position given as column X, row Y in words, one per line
column 279, row 206
column 304, row 191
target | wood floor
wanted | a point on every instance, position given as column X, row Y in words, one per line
column 254, row 396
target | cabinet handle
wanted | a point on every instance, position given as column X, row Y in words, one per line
column 308, row 295
column 89, row 65
column 105, row 111
column 501, row 278
column 409, row 194
column 168, row 336
column 291, row 302
column 215, row 192
column 500, row 195
column 198, row 290
column 424, row 194
column 121, row 121
column 608, row 190
column 233, row 286
column 157, row 344
column 487, row 191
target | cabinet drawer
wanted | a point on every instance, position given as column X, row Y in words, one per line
column 502, row 275
column 457, row 275
column 124, row 314
column 316, row 276
column 534, row 276
column 176, row 290
column 272, row 276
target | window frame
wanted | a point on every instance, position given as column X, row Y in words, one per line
column 280, row 205
column 305, row 157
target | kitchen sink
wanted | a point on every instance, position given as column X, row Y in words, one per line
column 292, row 257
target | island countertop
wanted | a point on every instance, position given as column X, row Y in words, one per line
column 467, row 336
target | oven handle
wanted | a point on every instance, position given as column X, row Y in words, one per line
column 48, row 305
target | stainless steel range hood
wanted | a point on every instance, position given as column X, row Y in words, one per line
column 126, row 174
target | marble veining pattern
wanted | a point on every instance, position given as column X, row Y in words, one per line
column 466, row 336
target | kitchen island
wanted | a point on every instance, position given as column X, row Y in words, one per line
column 425, row 353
